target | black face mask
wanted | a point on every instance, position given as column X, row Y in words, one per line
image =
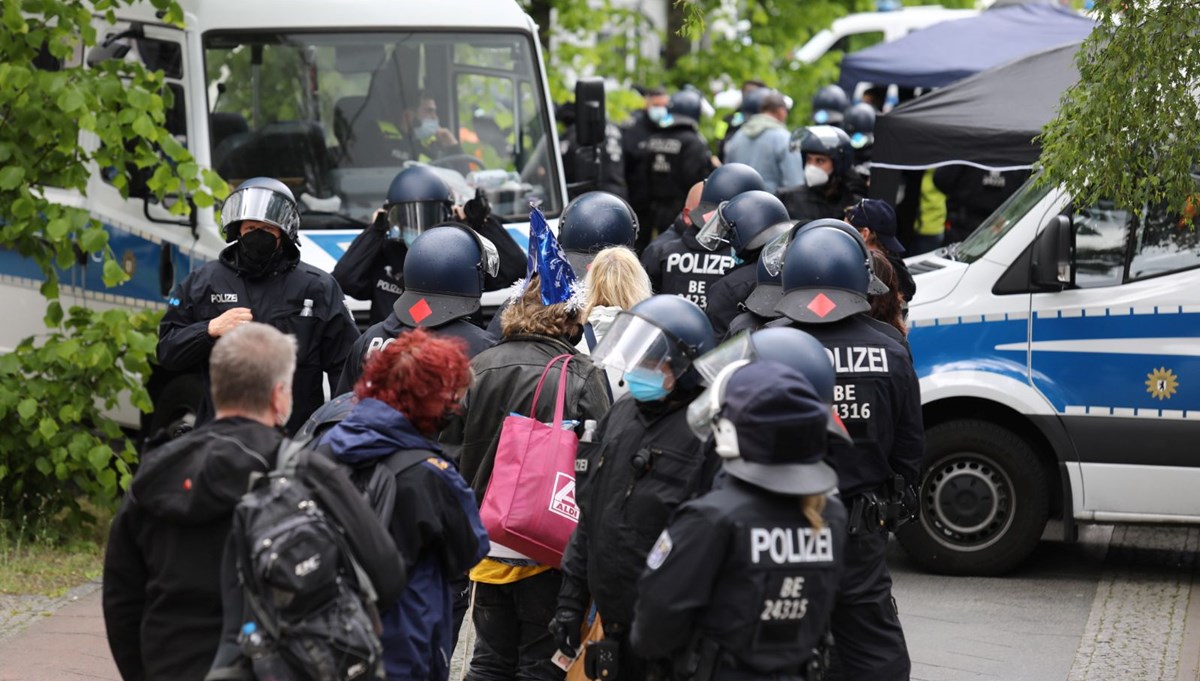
column 258, row 246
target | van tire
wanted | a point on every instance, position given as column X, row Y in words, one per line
column 984, row 501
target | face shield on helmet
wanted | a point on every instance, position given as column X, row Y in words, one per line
column 411, row 219
column 702, row 413
column 489, row 256
column 634, row 344
column 261, row 204
column 773, row 253
column 712, row 363
column 714, row 232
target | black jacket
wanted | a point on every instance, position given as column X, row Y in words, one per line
column 372, row 268
column 746, row 321
column 727, row 296
column 682, row 267
column 884, row 414
column 379, row 335
column 298, row 299
column 674, row 158
column 742, row 568
column 162, row 568
column 806, row 204
column 644, row 463
column 505, row 379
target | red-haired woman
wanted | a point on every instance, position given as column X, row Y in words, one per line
column 406, row 392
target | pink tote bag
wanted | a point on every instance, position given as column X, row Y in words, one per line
column 529, row 505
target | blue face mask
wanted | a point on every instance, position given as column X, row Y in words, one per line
column 646, row 386
column 657, row 113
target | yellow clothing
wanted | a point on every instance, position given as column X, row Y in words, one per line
column 494, row 572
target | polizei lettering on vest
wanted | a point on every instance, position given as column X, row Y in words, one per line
column 697, row 263
column 859, row 360
column 790, row 545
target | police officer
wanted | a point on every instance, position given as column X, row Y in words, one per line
column 634, row 133
column 676, row 157
column 610, row 154
column 859, row 124
column 260, row 277
column 444, row 272
column 646, row 462
column 825, row 281
column 760, row 304
column 741, row 583
column 830, row 182
column 723, row 184
column 829, row 105
column 747, row 222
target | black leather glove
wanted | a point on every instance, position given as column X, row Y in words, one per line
column 477, row 209
column 566, row 630
column 381, row 222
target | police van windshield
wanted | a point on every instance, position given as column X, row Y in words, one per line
column 337, row 115
column 997, row 225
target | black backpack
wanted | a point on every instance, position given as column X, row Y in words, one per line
column 311, row 602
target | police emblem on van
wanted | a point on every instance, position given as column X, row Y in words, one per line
column 223, row 298
column 1162, row 383
column 563, row 500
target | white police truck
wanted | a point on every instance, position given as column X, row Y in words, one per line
column 1058, row 350
column 313, row 93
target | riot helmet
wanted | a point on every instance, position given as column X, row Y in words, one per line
column 825, row 140
column 768, row 289
column 725, row 183
column 686, row 103
column 593, row 222
column 859, row 124
column 773, row 253
column 828, row 105
column 654, row 344
column 443, row 276
column 769, row 426
column 825, row 277
column 417, row 199
column 263, row 199
column 788, row 346
column 747, row 222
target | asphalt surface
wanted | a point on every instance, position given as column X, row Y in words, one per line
column 1118, row 605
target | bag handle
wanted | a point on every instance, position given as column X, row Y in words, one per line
column 560, row 397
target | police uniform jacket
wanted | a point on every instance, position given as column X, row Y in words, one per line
column 741, row 567
column 297, row 299
column 727, row 295
column 379, row 335
column 878, row 399
column 806, row 204
column 746, row 321
column 682, row 267
column 373, row 269
column 646, row 463
column 651, row 258
column 506, row 377
column 675, row 158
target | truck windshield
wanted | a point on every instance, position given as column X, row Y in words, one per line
column 995, row 227
column 337, row 115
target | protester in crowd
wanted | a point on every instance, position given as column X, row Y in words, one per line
column 753, row 92
column 406, row 392
column 876, row 221
column 762, row 143
column 887, row 307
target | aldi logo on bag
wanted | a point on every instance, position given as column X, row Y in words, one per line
column 563, row 501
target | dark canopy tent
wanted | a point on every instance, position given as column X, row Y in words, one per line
column 988, row 120
column 950, row 51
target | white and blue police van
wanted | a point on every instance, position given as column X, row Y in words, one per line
column 1058, row 350
column 308, row 92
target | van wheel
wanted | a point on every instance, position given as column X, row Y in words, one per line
column 984, row 501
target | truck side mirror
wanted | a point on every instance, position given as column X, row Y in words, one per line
column 1053, row 254
column 590, row 119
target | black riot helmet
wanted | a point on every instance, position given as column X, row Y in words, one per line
column 443, row 276
column 774, row 253
column 723, row 184
column 828, row 105
column 686, row 103
column 417, row 199
column 825, row 278
column 263, row 199
column 827, row 141
column 747, row 222
column 593, row 222
column 662, row 334
column 768, row 289
column 859, row 124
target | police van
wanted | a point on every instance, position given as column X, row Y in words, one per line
column 1058, row 350
column 324, row 96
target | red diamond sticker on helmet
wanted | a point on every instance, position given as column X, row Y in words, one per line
column 821, row 305
column 420, row 310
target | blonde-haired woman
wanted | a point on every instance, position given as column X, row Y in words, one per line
column 615, row 281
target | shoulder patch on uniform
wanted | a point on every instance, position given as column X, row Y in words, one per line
column 658, row 554
column 437, row 462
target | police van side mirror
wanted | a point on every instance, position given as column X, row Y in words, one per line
column 1053, row 255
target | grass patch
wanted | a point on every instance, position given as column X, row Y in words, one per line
column 45, row 563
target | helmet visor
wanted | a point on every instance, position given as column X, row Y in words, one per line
column 260, row 204
column 714, row 231
column 772, row 253
column 703, row 410
column 634, row 343
column 417, row 217
column 733, row 350
column 489, row 256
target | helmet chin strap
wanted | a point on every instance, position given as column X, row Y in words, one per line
column 725, row 437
